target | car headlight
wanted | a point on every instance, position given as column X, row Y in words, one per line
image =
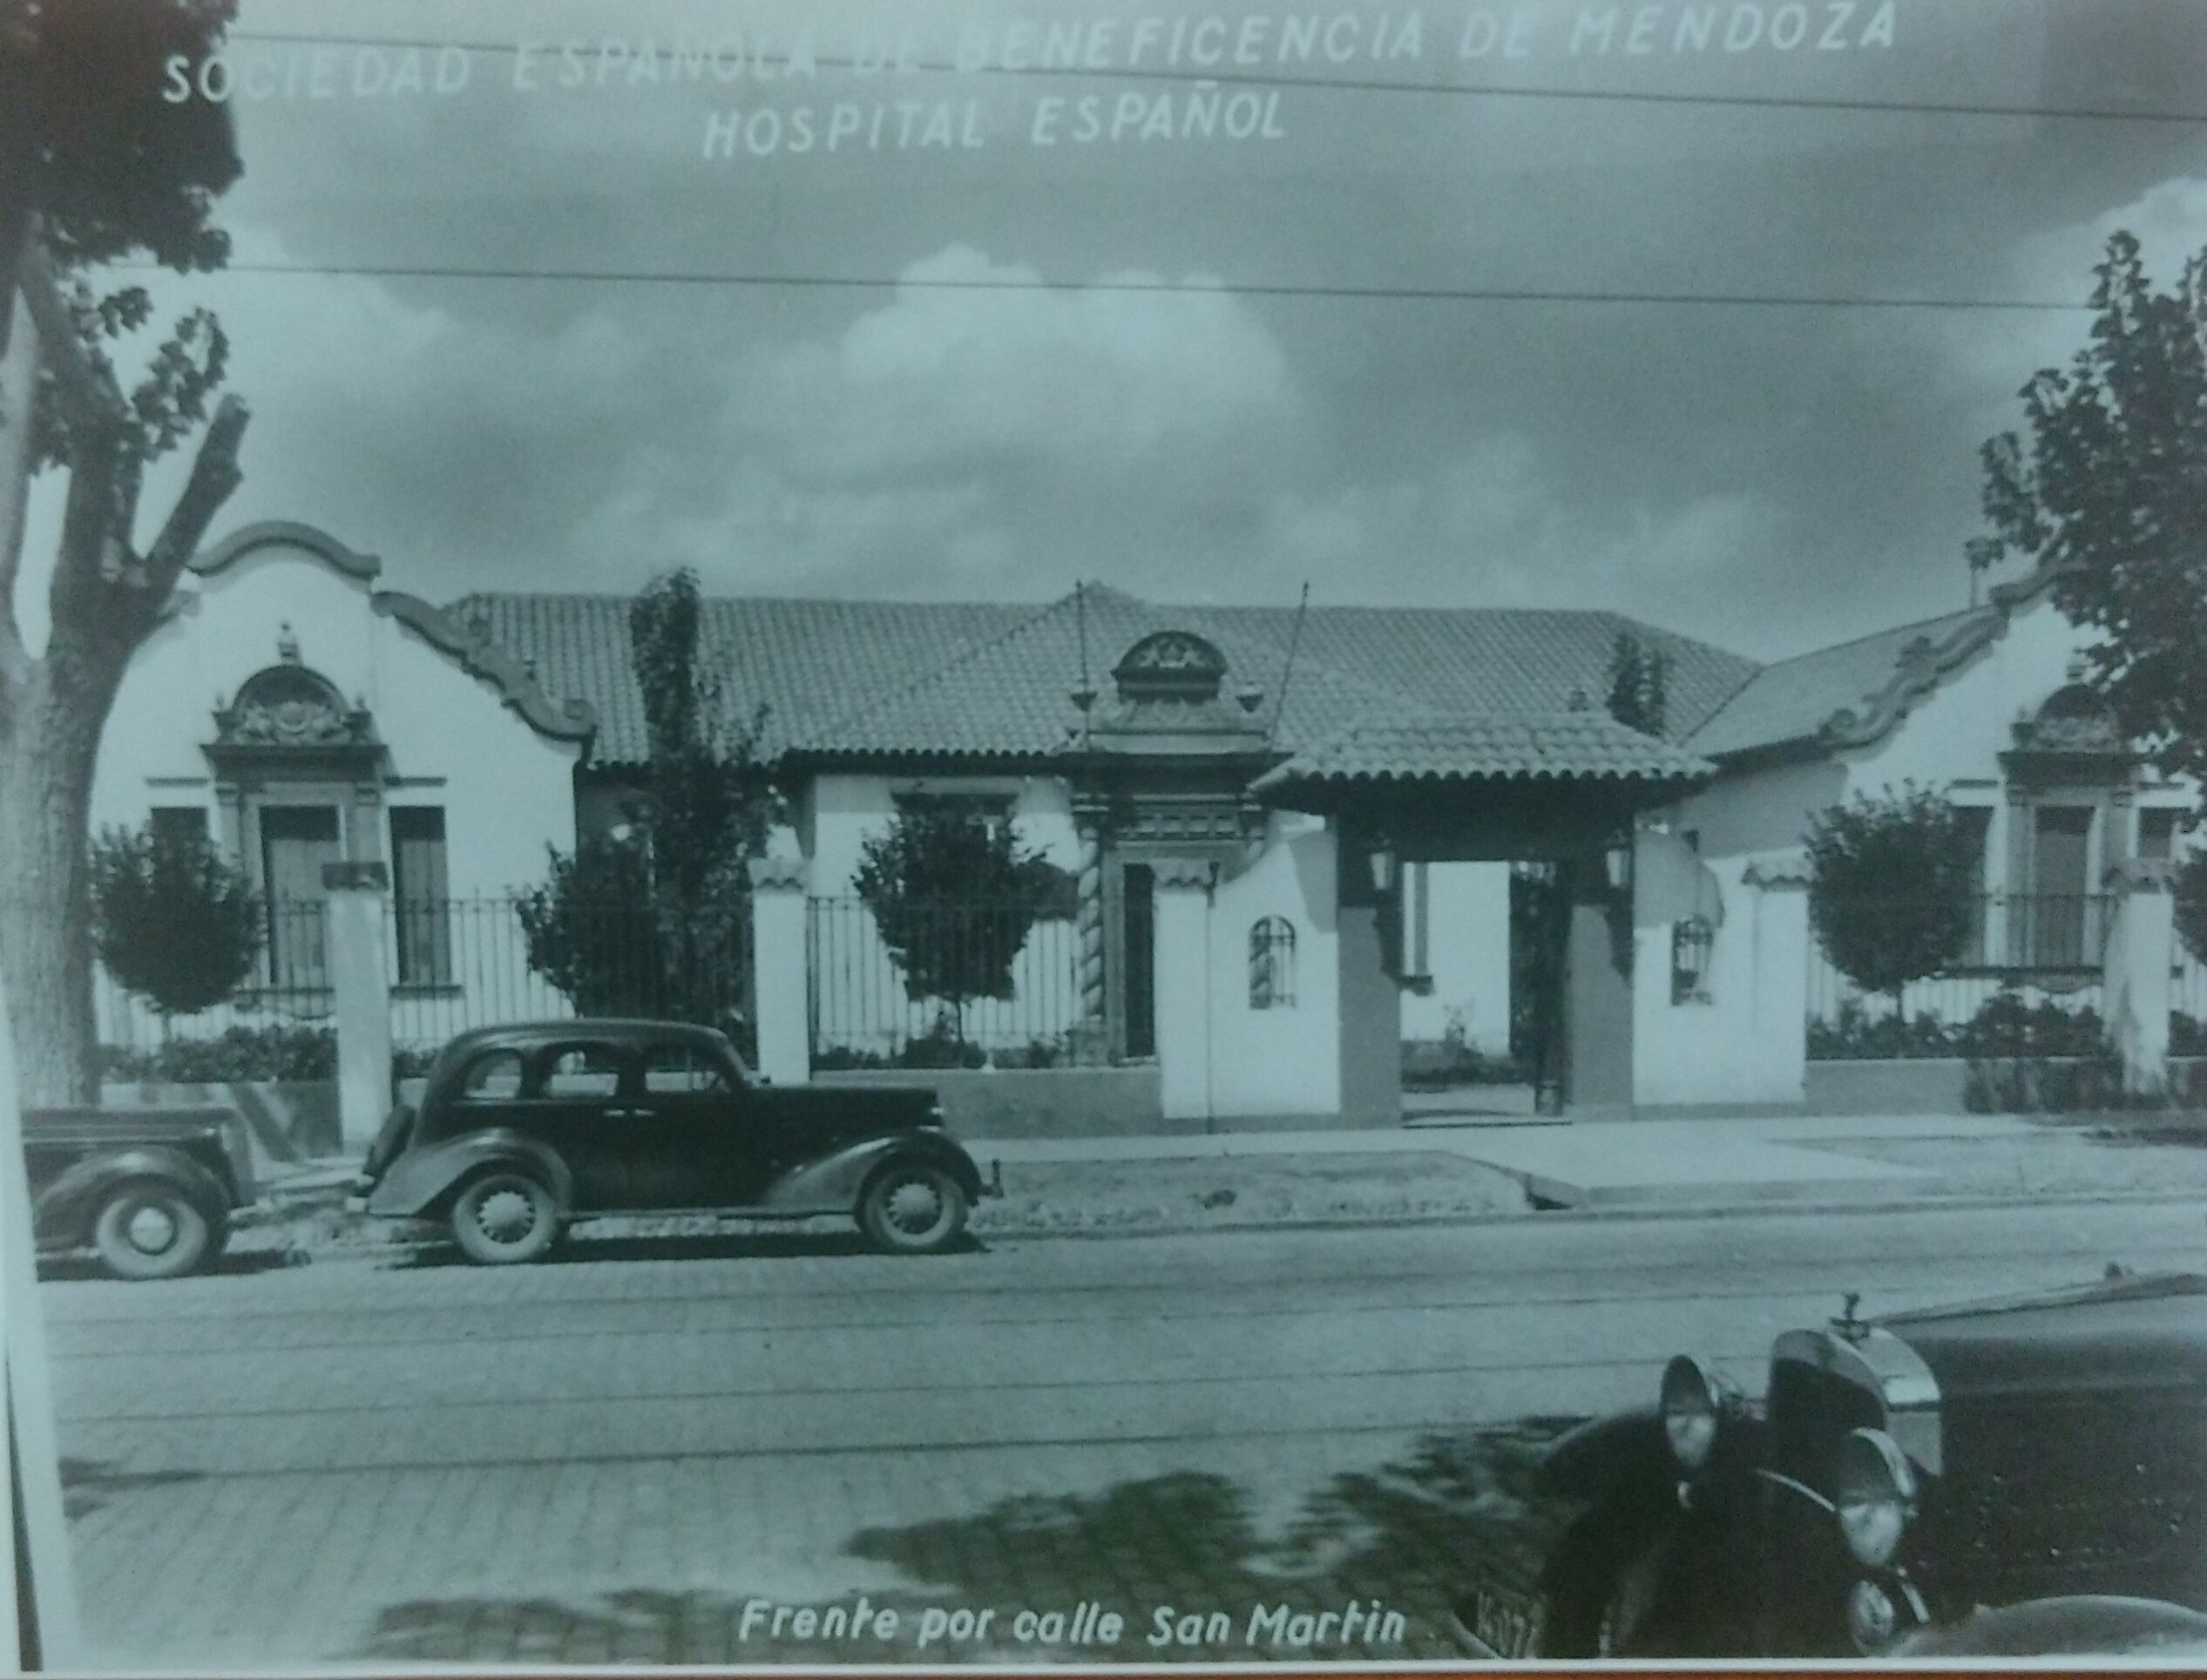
column 1693, row 1405
column 1874, row 1489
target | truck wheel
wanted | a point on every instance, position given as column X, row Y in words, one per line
column 149, row 1229
column 911, row 1207
column 504, row 1216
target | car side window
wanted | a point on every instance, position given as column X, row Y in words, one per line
column 681, row 1069
column 493, row 1076
column 580, row 1071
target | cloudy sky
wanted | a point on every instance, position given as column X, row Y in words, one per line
column 1196, row 368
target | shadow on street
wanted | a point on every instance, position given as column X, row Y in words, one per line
column 1405, row 1534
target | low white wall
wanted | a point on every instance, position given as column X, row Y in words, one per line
column 1747, row 1043
column 1283, row 1059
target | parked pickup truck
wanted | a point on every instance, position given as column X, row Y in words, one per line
column 149, row 1191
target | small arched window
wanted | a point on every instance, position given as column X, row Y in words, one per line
column 1272, row 963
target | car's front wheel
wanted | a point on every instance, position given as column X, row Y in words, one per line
column 504, row 1216
column 912, row 1207
column 149, row 1229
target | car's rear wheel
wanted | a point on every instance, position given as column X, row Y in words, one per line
column 912, row 1207
column 504, row 1216
column 149, row 1229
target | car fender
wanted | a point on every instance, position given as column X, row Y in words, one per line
column 420, row 1178
column 832, row 1182
column 63, row 1212
column 2079, row 1626
column 1624, row 1454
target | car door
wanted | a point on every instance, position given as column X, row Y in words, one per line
column 696, row 1145
column 575, row 1099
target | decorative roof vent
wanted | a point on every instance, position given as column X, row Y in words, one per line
column 1170, row 664
column 1169, row 698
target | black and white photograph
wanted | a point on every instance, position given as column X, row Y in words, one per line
column 1101, row 833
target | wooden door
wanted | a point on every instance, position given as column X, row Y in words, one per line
column 295, row 842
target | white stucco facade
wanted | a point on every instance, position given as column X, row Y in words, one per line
column 453, row 761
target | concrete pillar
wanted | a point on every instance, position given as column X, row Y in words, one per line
column 781, row 980
column 355, row 895
column 2134, row 991
column 1181, row 939
column 1597, row 990
column 1779, row 1038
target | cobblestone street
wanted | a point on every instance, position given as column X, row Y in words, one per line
column 611, row 1457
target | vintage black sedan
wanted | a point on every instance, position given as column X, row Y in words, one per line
column 2019, row 1476
column 522, row 1130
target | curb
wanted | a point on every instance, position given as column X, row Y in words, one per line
column 338, row 1251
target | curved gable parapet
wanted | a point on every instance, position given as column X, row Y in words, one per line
column 1925, row 664
column 479, row 656
column 287, row 534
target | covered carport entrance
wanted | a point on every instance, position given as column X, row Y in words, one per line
column 1560, row 789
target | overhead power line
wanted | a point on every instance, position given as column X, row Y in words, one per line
column 1230, row 76
column 1236, row 289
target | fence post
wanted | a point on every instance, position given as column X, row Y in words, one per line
column 361, row 996
column 781, row 990
column 2140, row 951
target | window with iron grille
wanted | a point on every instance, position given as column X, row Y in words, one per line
column 419, row 886
column 1691, row 942
column 1272, row 964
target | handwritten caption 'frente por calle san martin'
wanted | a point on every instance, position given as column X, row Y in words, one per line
column 1087, row 1625
column 1212, row 66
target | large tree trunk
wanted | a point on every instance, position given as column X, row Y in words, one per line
column 48, row 746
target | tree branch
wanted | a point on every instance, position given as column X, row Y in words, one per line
column 19, row 363
column 88, row 393
column 215, row 476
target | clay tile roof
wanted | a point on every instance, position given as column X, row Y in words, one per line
column 1796, row 699
column 843, row 679
column 804, row 660
column 1577, row 744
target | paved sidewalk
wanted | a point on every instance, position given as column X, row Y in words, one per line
column 1617, row 1163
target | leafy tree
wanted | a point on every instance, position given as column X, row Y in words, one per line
column 95, row 164
column 1891, row 887
column 2110, row 492
column 1639, row 677
column 954, row 895
column 656, row 920
column 175, row 923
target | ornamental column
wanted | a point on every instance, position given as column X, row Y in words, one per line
column 1091, row 1030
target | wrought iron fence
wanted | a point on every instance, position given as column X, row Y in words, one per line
column 456, row 964
column 952, row 983
column 2188, row 1005
column 2025, row 981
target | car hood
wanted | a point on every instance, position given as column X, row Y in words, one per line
column 2120, row 1333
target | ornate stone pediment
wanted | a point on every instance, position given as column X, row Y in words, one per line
column 2072, row 737
column 289, row 707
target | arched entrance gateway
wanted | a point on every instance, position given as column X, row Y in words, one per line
column 1562, row 790
column 1239, row 907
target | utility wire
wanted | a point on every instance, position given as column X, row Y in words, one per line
column 1252, row 288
